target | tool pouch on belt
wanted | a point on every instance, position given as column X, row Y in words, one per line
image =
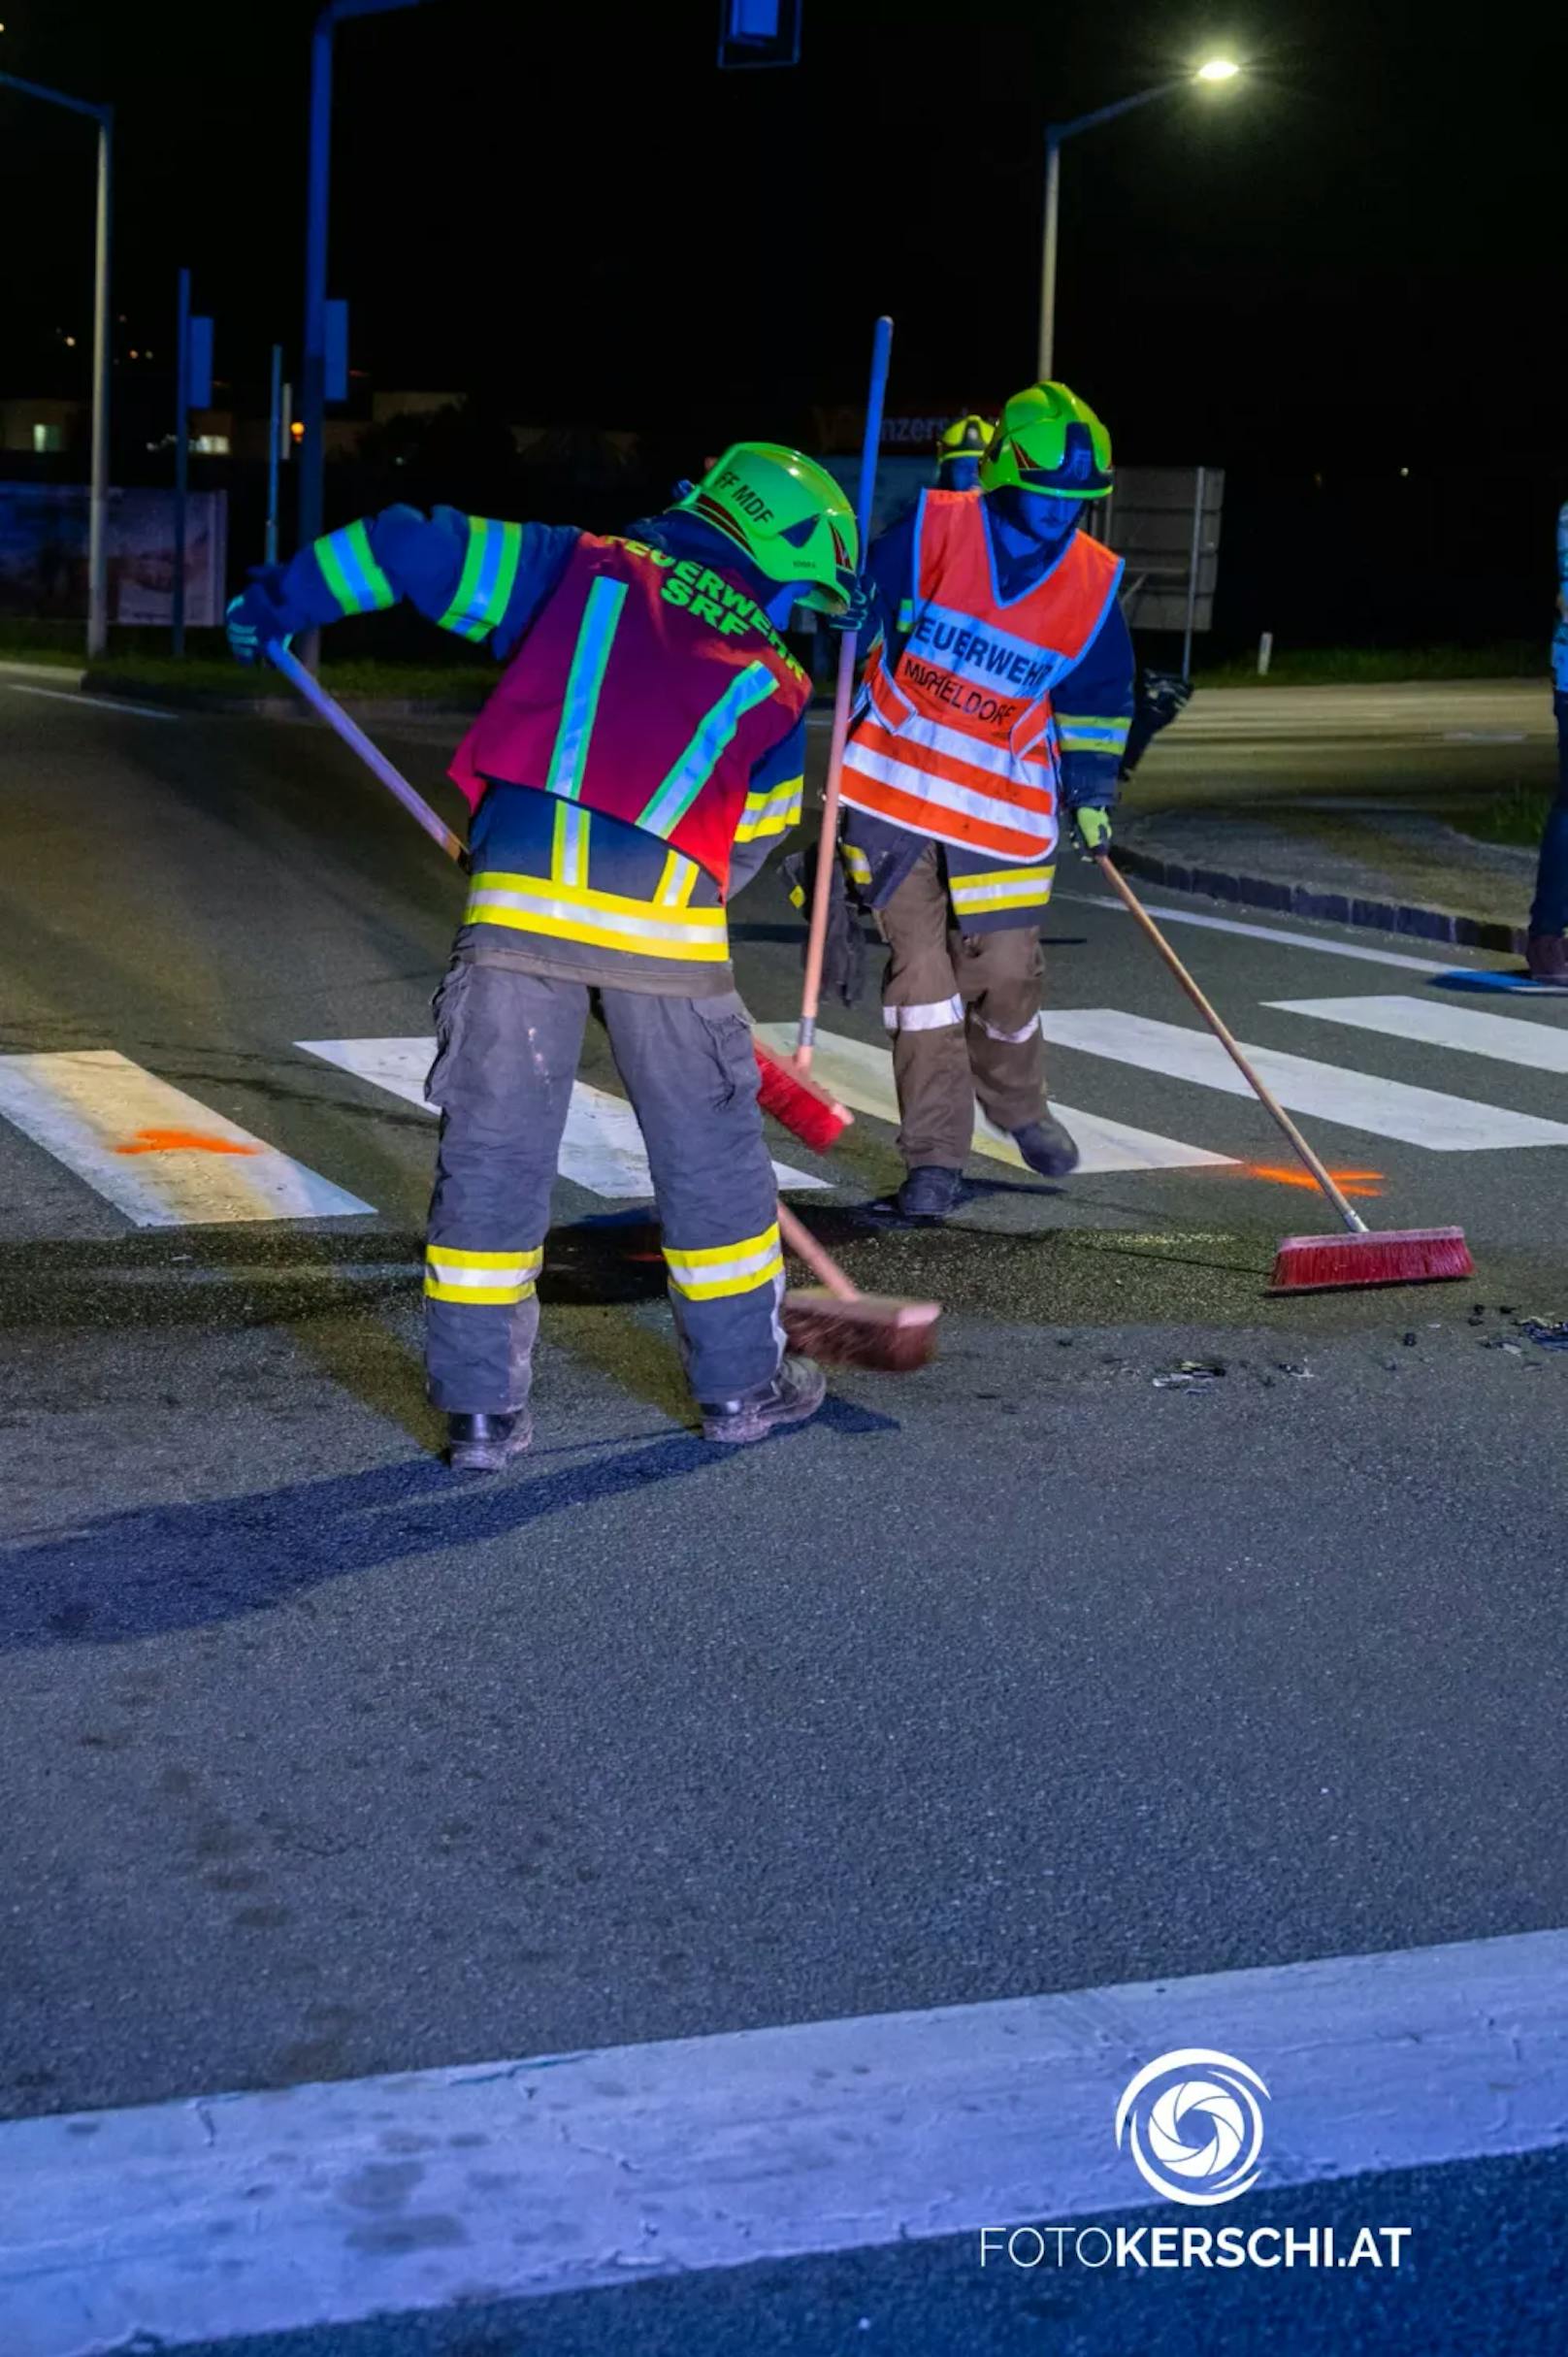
column 843, row 951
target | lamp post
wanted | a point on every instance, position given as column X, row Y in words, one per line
column 98, row 496
column 1213, row 70
column 313, row 357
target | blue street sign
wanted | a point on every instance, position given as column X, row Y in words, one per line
column 199, row 363
column 336, row 324
column 759, row 32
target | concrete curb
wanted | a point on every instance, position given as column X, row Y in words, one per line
column 56, row 674
column 1330, row 907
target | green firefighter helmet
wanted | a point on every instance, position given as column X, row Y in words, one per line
column 965, row 438
column 793, row 520
column 1049, row 440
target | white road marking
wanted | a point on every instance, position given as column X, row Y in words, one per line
column 1357, row 1100
column 601, row 1150
column 151, row 1151
column 1541, row 1047
column 317, row 2206
column 1265, row 932
column 97, row 704
column 861, row 1076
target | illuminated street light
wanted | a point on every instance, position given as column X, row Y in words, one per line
column 1212, row 70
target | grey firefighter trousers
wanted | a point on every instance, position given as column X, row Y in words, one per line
column 963, row 1010
column 506, row 1050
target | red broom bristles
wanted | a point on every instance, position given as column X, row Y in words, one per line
column 1411, row 1255
column 804, row 1109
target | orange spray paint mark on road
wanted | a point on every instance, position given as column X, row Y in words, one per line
column 184, row 1141
column 1352, row 1183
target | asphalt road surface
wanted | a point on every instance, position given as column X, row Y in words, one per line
column 1161, row 1630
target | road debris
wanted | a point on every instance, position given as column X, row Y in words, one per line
column 1189, row 1375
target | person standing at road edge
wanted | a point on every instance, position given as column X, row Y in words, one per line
column 643, row 748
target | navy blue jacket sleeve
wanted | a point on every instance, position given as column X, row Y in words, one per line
column 1093, row 708
column 772, row 806
column 473, row 574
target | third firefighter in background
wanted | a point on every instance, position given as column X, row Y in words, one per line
column 997, row 698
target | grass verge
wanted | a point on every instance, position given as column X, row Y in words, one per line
column 1372, row 665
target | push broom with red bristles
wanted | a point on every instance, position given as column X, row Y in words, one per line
column 1408, row 1256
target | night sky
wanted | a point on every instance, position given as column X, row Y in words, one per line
column 569, row 211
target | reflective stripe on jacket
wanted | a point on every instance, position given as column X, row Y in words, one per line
column 647, row 688
column 960, row 741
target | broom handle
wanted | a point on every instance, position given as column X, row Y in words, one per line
column 1266, row 1096
column 843, row 693
column 374, row 760
column 823, row 1266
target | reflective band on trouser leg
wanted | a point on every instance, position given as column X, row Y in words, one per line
column 489, row 576
column 480, row 1279
column 1000, row 974
column 606, row 920
column 1010, row 1039
column 726, row 1268
column 351, row 573
column 938, row 1015
column 670, row 802
column 578, row 707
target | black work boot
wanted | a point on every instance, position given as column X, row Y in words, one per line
column 930, row 1192
column 1047, row 1147
column 797, row 1392
column 483, row 1444
column 1546, row 955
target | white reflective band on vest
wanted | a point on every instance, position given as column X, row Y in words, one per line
column 932, row 1015
column 943, row 795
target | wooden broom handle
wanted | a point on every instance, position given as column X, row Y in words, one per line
column 826, row 853
column 823, row 1266
column 1266, row 1096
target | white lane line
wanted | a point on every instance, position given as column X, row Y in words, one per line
column 601, row 1150
column 1357, row 1100
column 861, row 1075
column 1265, row 932
column 151, row 1151
column 313, row 2206
column 96, row 704
column 1541, row 1047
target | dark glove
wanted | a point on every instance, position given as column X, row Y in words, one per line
column 1092, row 826
column 859, row 608
column 843, row 949
column 255, row 620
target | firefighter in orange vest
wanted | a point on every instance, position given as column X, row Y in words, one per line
column 998, row 696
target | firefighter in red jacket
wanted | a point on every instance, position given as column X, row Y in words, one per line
column 641, row 754
column 998, row 693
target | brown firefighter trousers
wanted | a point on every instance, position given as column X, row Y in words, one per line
column 962, row 1009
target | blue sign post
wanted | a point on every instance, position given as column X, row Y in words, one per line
column 759, row 32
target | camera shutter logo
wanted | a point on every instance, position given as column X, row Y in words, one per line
column 1194, row 2125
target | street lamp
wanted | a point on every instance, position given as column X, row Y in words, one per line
column 314, row 366
column 98, row 496
column 1212, row 70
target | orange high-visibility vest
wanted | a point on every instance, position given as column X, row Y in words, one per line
column 958, row 740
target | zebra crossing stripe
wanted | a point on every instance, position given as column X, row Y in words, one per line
column 1357, row 1100
column 151, row 1151
column 861, row 1075
column 601, row 1150
column 1541, row 1047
